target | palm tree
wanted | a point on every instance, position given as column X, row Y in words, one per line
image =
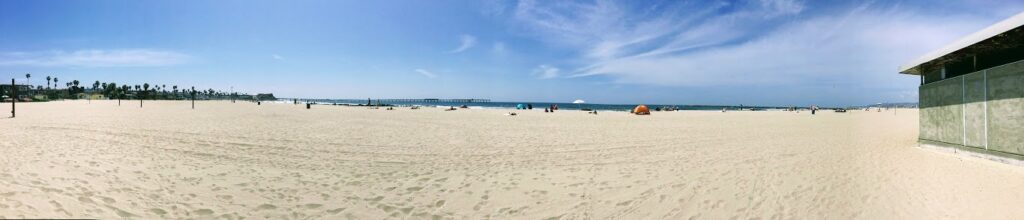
column 109, row 89
column 96, row 85
column 55, row 81
column 48, row 78
column 27, row 77
column 145, row 89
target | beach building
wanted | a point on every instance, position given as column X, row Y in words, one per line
column 971, row 93
column 24, row 91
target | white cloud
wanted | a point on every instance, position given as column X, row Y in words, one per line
column 426, row 73
column 546, row 72
column 783, row 7
column 466, row 42
column 499, row 47
column 94, row 58
column 277, row 57
column 766, row 42
column 493, row 7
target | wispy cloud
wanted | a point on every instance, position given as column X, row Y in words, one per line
column 465, row 42
column 277, row 57
column 499, row 47
column 426, row 73
column 546, row 72
column 760, row 42
column 94, row 58
column 782, row 7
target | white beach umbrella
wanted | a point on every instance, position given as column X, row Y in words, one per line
column 578, row 102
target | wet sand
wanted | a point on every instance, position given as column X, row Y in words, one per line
column 74, row 159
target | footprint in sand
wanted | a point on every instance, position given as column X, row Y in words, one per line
column 386, row 208
column 225, row 197
column 406, row 210
column 108, row 200
column 85, row 199
column 375, row 199
column 312, row 206
column 158, row 211
column 266, row 207
column 56, row 204
column 124, row 214
column 555, row 217
column 204, row 212
column 335, row 211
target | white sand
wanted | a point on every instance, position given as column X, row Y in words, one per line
column 224, row 160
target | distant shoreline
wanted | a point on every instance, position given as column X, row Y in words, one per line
column 562, row 105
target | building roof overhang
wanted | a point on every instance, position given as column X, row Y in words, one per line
column 995, row 37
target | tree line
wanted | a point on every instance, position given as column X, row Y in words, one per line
column 74, row 89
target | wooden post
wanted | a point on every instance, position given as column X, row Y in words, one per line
column 193, row 97
column 14, row 96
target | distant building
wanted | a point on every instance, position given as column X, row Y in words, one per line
column 265, row 97
column 23, row 90
column 972, row 93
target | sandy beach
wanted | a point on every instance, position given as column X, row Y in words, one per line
column 75, row 159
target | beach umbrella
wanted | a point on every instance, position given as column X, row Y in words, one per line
column 578, row 102
column 520, row 106
column 641, row 110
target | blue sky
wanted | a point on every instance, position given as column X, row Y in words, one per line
column 758, row 52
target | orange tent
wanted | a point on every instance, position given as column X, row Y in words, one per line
column 641, row 110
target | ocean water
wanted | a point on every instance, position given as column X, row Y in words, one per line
column 540, row 105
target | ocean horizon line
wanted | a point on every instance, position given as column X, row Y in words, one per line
column 536, row 104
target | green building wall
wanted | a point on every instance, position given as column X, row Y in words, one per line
column 981, row 111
